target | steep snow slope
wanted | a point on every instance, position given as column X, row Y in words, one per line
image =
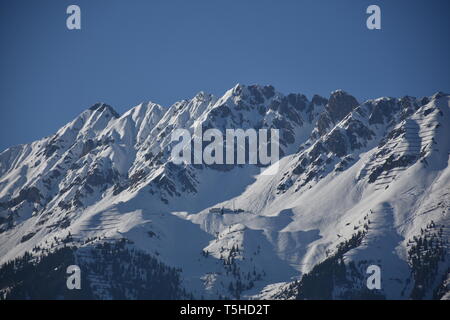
column 379, row 168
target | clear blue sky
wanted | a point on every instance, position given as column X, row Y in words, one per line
column 130, row 51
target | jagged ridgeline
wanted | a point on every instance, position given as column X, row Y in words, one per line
column 357, row 184
column 108, row 271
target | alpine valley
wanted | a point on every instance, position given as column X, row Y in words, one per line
column 358, row 184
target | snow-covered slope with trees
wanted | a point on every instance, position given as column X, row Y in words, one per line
column 358, row 184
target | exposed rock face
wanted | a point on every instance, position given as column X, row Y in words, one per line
column 340, row 104
column 337, row 107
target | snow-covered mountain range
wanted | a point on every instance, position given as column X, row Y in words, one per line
column 358, row 184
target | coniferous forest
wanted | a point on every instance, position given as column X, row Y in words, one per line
column 108, row 271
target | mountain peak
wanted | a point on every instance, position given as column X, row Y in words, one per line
column 100, row 107
column 340, row 93
column 340, row 104
column 438, row 95
column 203, row 96
column 255, row 92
